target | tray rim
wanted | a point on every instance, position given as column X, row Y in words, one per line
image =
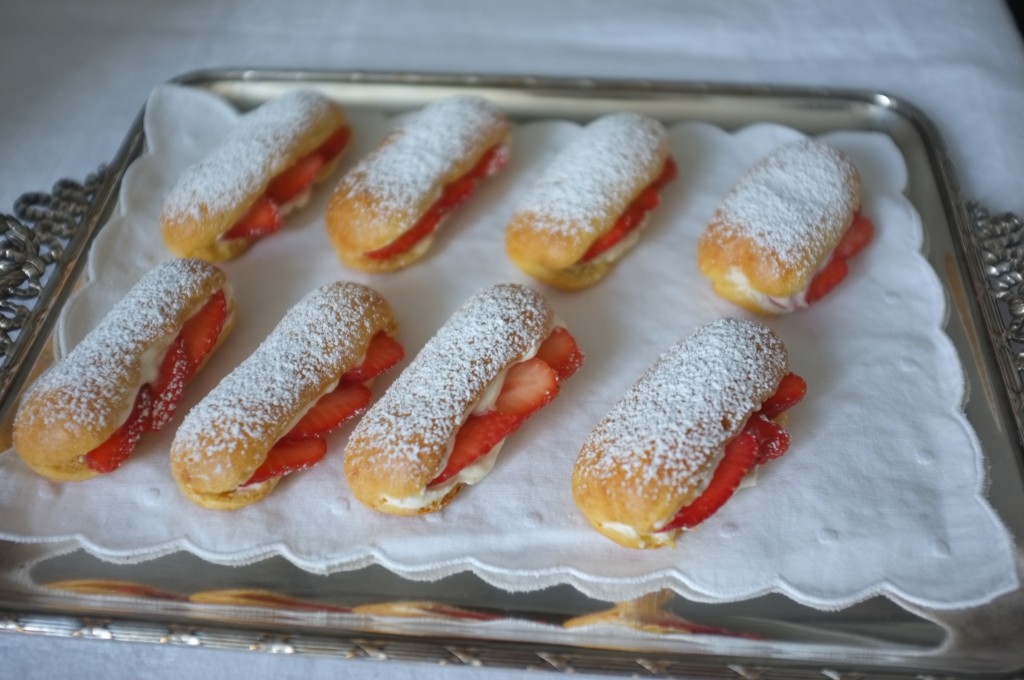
column 953, row 205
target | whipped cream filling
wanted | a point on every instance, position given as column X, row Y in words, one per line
column 478, row 469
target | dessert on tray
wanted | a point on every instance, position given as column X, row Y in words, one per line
column 270, row 416
column 677, row 445
column 782, row 237
column 242, row 190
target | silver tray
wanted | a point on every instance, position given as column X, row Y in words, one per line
column 979, row 259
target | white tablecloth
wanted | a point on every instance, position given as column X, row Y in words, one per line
column 75, row 74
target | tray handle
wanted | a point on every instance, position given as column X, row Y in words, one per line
column 999, row 244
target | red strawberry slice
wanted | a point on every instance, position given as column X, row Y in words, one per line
column 261, row 220
column 791, row 391
column 175, row 371
column 289, row 456
column 528, row 386
column 740, row 456
column 109, row 455
column 202, row 330
column 477, row 436
column 421, row 230
column 383, row 353
column 296, row 179
column 633, row 215
column 856, row 237
column 560, row 352
column 827, row 279
column 334, row 144
column 332, row 409
column 772, row 440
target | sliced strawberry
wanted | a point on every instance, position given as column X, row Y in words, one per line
column 453, row 195
column 528, row 386
column 334, row 144
column 772, row 440
column 419, row 231
column 202, row 330
column 477, row 436
column 383, row 353
column 332, row 409
column 633, row 216
column 175, row 371
column 791, row 391
column 856, row 238
column 296, row 179
column 560, row 352
column 827, row 279
column 261, row 220
column 109, row 455
column 740, row 456
column 289, row 456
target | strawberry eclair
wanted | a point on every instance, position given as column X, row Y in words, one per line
column 383, row 214
column 263, row 169
column 590, row 205
column 499, row 359
column 783, row 235
column 676, row 446
column 85, row 415
column 270, row 416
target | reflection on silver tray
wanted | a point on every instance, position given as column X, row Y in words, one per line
column 775, row 635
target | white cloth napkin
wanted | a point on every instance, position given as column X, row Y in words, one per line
column 882, row 491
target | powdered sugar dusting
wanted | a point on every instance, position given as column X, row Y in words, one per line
column 691, row 401
column 596, row 173
column 793, row 202
column 428, row 147
column 309, row 349
column 425, row 406
column 249, row 156
column 91, row 380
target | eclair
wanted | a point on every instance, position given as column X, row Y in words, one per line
column 85, row 415
column 590, row 205
column 782, row 238
column 439, row 426
column 262, row 170
column 270, row 416
column 676, row 446
column 384, row 213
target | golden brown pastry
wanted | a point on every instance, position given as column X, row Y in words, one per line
column 591, row 204
column 265, row 167
column 500, row 358
column 782, row 237
column 84, row 415
column 270, row 416
column 675, row 447
column 383, row 214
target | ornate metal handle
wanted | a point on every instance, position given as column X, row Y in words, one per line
column 31, row 242
column 999, row 240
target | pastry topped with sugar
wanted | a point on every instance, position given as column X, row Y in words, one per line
column 782, row 237
column 264, row 168
column 498, row 359
column 271, row 415
column 675, row 446
column 590, row 205
column 383, row 214
column 84, row 415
